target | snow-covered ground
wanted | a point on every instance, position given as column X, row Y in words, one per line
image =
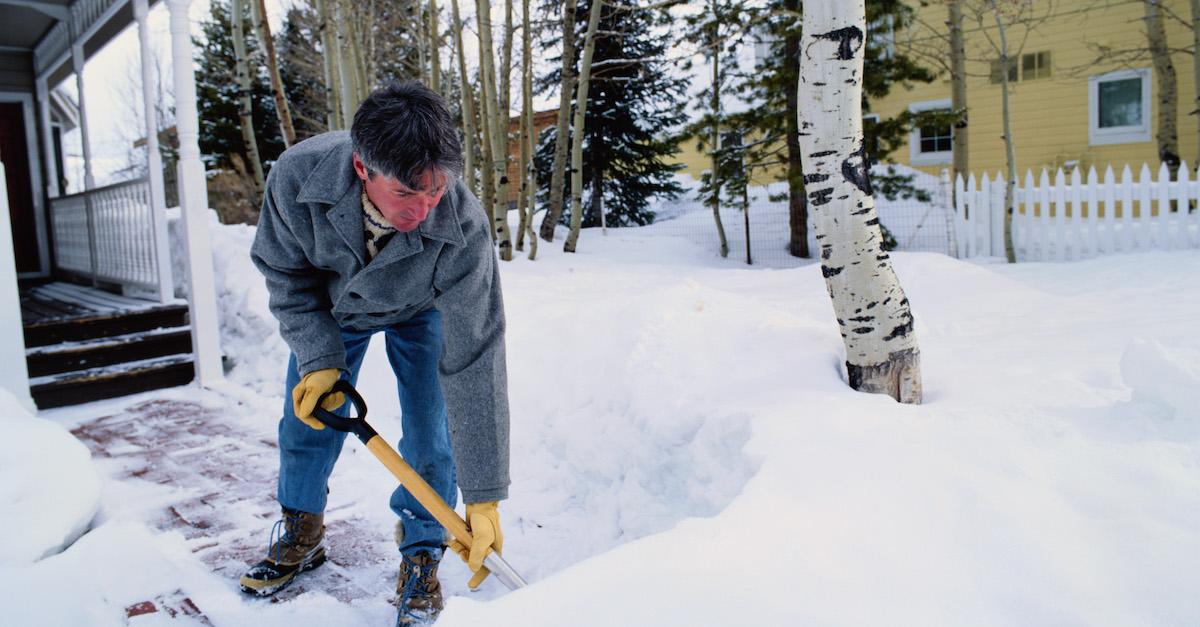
column 686, row 452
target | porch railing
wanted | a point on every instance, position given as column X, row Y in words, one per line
column 111, row 234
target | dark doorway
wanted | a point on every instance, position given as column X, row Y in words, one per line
column 14, row 152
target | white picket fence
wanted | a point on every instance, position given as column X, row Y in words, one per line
column 1073, row 217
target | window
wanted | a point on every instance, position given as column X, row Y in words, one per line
column 1119, row 107
column 931, row 144
column 997, row 77
column 1035, row 65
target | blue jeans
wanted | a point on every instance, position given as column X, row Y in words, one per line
column 307, row 456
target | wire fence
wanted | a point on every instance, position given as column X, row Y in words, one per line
column 759, row 237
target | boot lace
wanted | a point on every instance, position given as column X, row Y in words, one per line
column 280, row 535
column 418, row 575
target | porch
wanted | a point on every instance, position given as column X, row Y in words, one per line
column 87, row 292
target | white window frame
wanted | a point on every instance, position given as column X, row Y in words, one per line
column 1123, row 134
column 915, row 156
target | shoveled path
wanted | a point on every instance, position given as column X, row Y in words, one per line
column 221, row 497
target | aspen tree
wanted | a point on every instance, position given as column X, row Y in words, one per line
column 581, row 96
column 435, row 49
column 562, row 136
column 1167, row 134
column 245, row 109
column 528, row 180
column 468, row 104
column 333, row 106
column 497, row 127
column 263, row 28
column 876, row 322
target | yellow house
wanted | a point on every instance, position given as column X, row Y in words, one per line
column 1083, row 90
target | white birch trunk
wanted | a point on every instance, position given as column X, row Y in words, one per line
column 286, row 129
column 958, row 88
column 562, row 138
column 1010, row 158
column 876, row 323
column 1196, row 63
column 245, row 108
column 468, row 104
column 333, row 106
column 497, row 127
column 435, row 48
column 581, row 100
column 715, row 104
column 1167, row 135
column 345, row 63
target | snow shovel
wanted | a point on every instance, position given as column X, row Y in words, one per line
column 408, row 477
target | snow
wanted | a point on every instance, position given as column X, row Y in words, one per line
column 48, row 487
column 685, row 452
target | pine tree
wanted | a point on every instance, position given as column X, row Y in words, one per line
column 635, row 107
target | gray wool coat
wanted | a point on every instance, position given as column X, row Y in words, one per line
column 311, row 249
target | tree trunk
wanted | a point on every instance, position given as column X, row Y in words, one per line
column 435, row 48
column 1010, row 159
column 876, row 323
column 506, row 52
column 797, row 196
column 525, row 131
column 497, row 129
column 1168, row 95
column 468, row 105
column 528, row 180
column 245, row 107
column 715, row 105
column 581, row 100
column 1196, row 67
column 562, row 138
column 333, row 105
column 345, row 62
column 286, row 129
column 958, row 89
column 485, row 142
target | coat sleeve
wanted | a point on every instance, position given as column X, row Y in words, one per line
column 473, row 373
column 299, row 296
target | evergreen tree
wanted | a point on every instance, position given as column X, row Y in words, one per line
column 217, row 93
column 634, row 111
column 303, row 73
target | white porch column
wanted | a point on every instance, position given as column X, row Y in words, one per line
column 89, row 179
column 158, row 197
column 14, row 375
column 193, row 200
column 50, row 155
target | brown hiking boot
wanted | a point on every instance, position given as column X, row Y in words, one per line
column 418, row 591
column 298, row 549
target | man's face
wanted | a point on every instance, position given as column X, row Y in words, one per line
column 404, row 207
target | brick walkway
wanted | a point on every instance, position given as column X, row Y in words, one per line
column 224, row 500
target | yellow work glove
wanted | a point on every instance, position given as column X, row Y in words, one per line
column 310, row 388
column 483, row 519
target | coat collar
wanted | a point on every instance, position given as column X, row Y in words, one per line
column 333, row 182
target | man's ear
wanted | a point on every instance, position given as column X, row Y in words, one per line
column 360, row 168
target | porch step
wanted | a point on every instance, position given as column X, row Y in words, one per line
column 108, row 351
column 81, row 386
column 104, row 325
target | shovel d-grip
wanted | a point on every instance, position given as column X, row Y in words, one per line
column 409, row 479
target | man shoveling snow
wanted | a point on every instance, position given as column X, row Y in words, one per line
column 370, row 232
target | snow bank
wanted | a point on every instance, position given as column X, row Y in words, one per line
column 48, row 487
column 1168, row 376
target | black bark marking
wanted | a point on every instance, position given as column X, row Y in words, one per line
column 826, row 252
column 815, row 178
column 849, row 40
column 871, row 305
column 901, row 330
column 823, row 153
column 862, row 318
column 861, row 212
column 883, row 257
column 856, row 169
column 872, row 222
column 820, row 197
column 827, row 272
column 863, row 330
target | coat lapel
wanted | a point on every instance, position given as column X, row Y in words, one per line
column 333, row 182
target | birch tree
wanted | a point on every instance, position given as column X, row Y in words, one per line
column 435, row 48
column 562, row 136
column 245, row 110
column 497, row 128
column 1010, row 158
column 1167, row 135
column 1196, row 64
column 333, row 99
column 526, row 203
column 581, row 97
column 958, row 89
column 468, row 103
column 258, row 14
column 715, row 103
column 876, row 322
